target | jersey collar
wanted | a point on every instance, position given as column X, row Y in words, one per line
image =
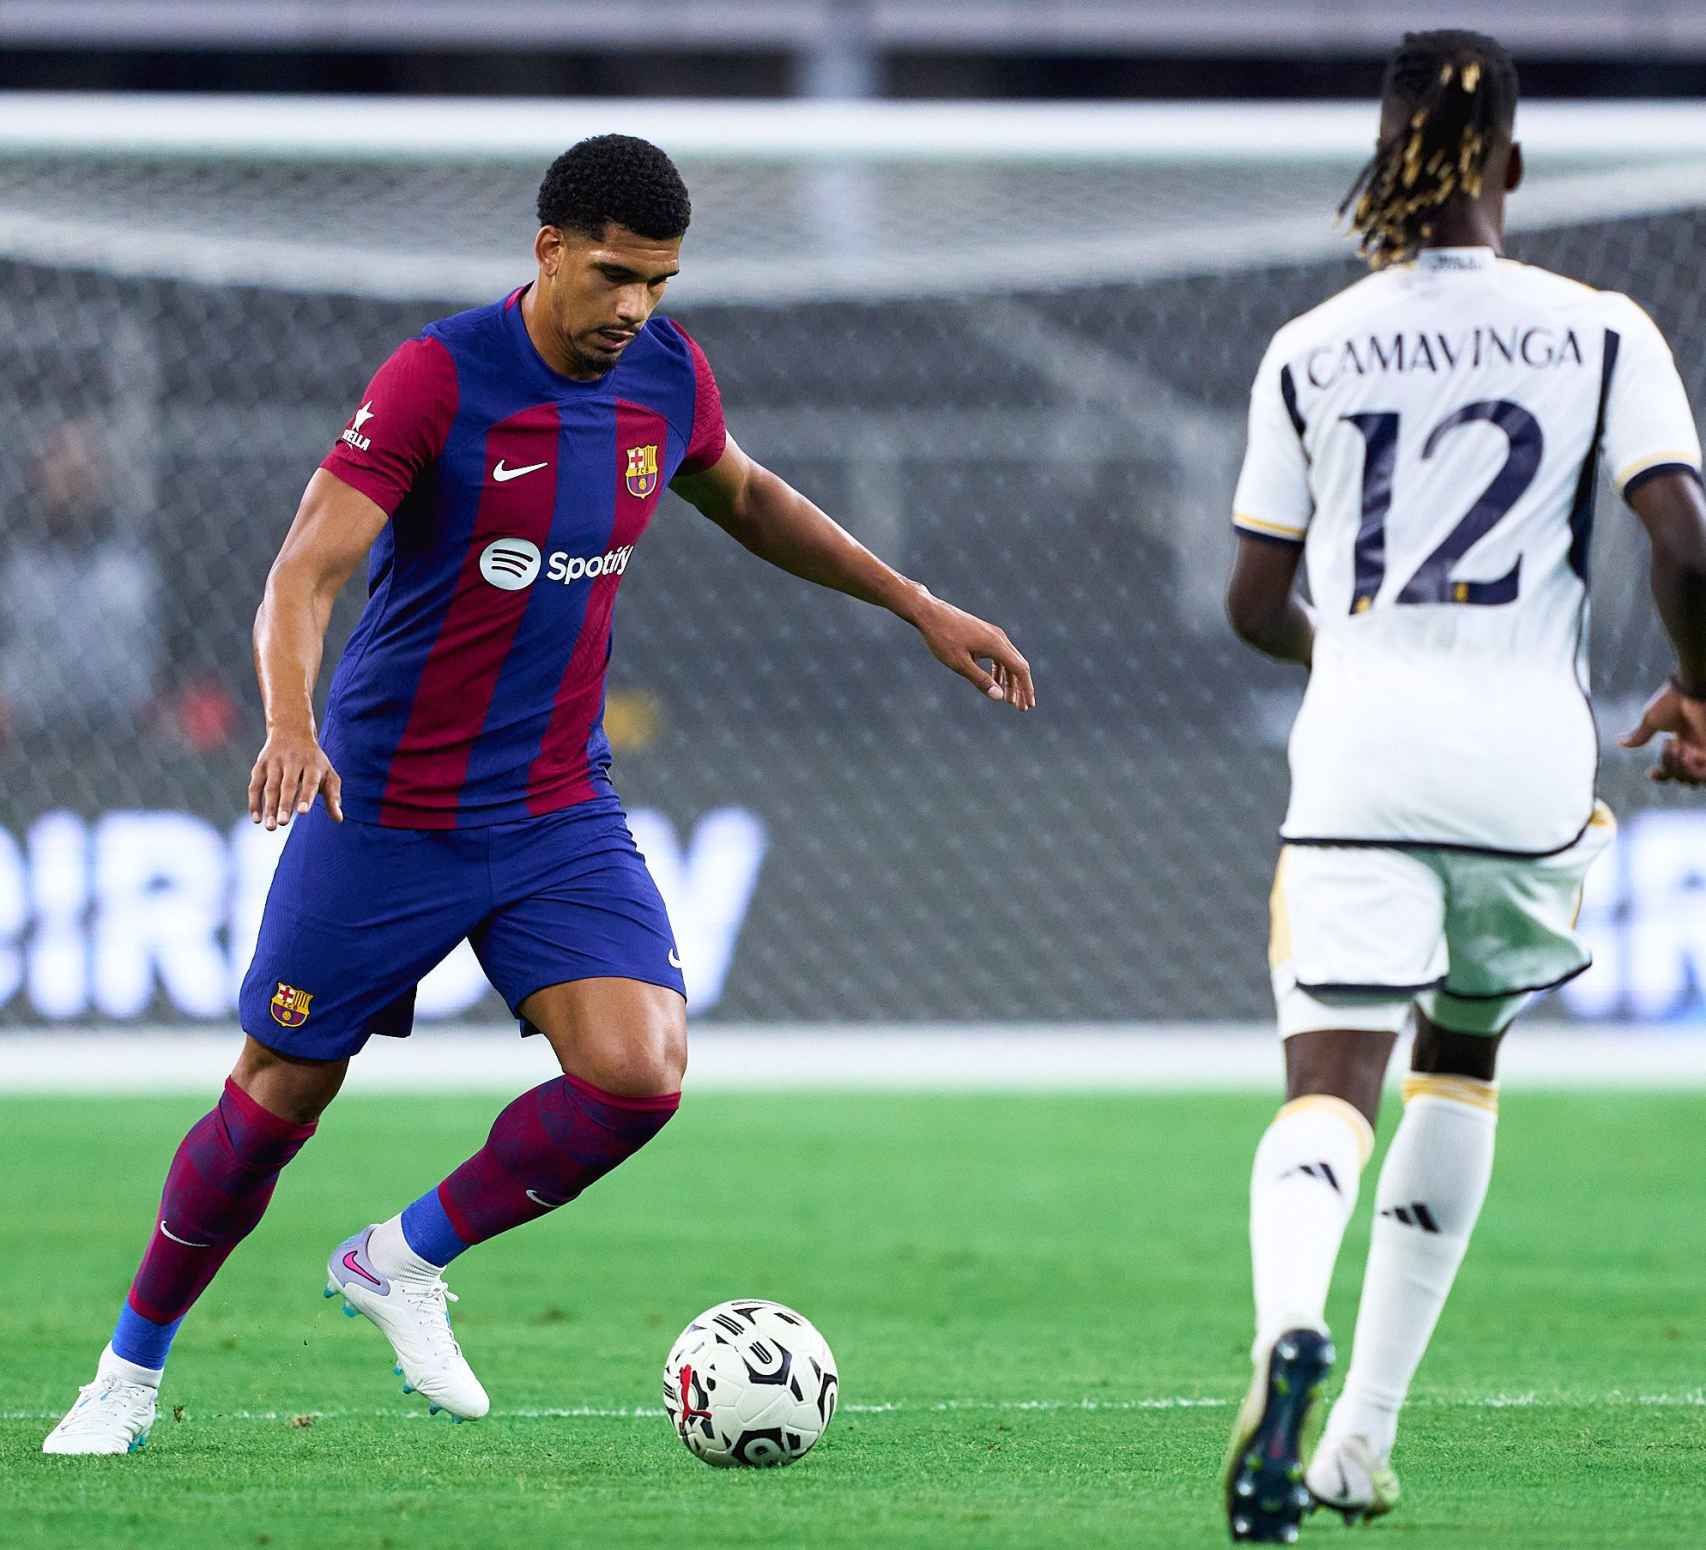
column 1455, row 260
column 541, row 368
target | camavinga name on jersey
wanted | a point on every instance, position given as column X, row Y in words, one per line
column 1535, row 346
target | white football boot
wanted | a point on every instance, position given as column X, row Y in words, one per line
column 112, row 1414
column 1350, row 1477
column 410, row 1310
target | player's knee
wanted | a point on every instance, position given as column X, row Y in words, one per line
column 1339, row 1063
column 294, row 1090
column 648, row 1056
column 1444, row 1052
column 664, row 1052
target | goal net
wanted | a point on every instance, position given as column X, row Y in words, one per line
column 1009, row 347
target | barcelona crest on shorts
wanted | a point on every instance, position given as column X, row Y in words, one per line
column 642, row 471
column 290, row 1006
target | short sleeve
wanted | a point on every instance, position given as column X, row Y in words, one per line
column 1273, row 499
column 1649, row 428
column 710, row 434
column 400, row 427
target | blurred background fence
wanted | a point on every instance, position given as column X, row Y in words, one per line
column 1009, row 347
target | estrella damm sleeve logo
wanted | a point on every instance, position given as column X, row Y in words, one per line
column 642, row 470
column 290, row 1006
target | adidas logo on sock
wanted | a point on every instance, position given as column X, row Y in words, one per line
column 1316, row 1170
column 1413, row 1215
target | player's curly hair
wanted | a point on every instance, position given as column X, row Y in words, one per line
column 615, row 178
column 1457, row 92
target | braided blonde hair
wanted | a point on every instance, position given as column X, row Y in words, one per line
column 1458, row 92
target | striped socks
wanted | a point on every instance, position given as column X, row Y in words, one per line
column 216, row 1190
column 544, row 1149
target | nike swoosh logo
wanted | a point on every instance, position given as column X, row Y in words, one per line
column 674, row 959
column 366, row 1275
column 540, row 1200
column 504, row 475
column 187, row 1243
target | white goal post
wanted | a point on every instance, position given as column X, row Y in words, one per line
column 341, row 128
column 799, row 199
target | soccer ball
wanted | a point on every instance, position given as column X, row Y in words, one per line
column 749, row 1382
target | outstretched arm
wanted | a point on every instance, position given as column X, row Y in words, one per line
column 772, row 519
column 1262, row 602
column 335, row 526
column 1673, row 511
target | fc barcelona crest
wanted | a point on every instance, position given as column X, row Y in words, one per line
column 290, row 1006
column 642, row 471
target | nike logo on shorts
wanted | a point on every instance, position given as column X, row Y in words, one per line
column 540, row 1200
column 674, row 959
column 187, row 1243
column 504, row 475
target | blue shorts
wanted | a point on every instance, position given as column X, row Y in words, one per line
column 357, row 915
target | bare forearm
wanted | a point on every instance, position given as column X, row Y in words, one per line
column 780, row 525
column 1679, row 590
column 334, row 527
column 1673, row 511
column 289, row 640
column 1262, row 604
column 1285, row 631
column 1291, row 636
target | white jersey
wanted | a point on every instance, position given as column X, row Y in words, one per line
column 1431, row 436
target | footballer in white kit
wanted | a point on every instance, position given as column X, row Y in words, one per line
column 1428, row 445
column 1430, row 438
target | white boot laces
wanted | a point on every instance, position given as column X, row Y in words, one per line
column 86, row 1414
column 430, row 1299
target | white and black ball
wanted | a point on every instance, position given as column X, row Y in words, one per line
column 750, row 1382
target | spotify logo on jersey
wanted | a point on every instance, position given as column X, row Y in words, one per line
column 510, row 563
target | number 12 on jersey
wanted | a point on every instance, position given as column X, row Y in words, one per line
column 1432, row 582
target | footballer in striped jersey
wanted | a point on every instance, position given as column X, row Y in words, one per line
column 498, row 476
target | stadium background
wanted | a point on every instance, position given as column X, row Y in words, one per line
column 989, row 278
column 1016, row 367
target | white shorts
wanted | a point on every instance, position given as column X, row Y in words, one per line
column 1363, row 933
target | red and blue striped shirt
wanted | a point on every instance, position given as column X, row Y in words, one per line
column 472, row 690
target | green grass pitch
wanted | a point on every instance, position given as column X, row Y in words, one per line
column 1039, row 1306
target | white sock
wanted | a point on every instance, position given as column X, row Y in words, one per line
column 1429, row 1195
column 1303, row 1188
column 389, row 1253
column 113, row 1365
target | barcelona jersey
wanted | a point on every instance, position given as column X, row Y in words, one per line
column 472, row 690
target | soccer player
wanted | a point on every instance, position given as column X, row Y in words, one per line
column 501, row 468
column 1428, row 442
